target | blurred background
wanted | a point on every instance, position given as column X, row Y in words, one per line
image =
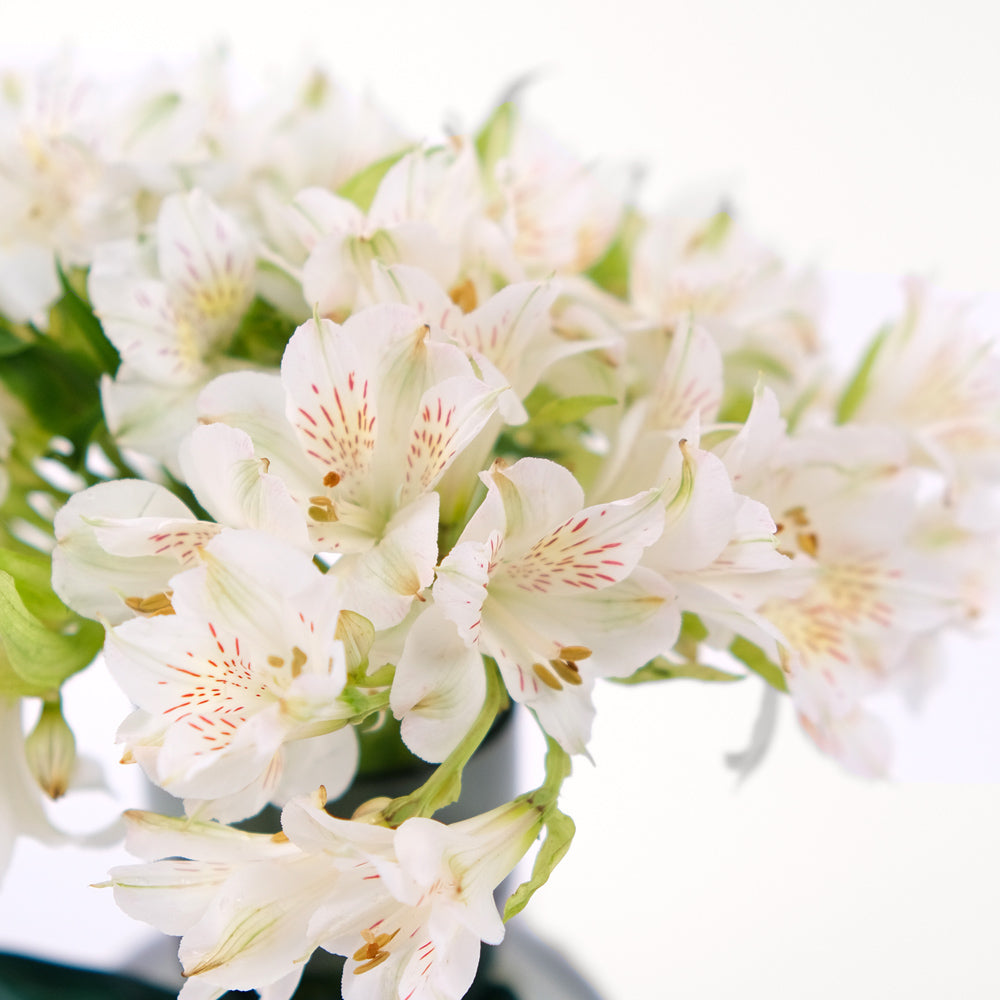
column 858, row 137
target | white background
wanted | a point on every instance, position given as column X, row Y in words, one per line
column 860, row 136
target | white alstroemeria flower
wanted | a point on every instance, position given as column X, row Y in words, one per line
column 871, row 583
column 675, row 388
column 938, row 380
column 709, row 268
column 296, row 133
column 102, row 570
column 512, row 339
column 512, row 331
column 365, row 420
column 427, row 211
column 170, row 312
column 718, row 548
column 407, row 908
column 237, row 691
column 118, row 543
column 562, row 212
column 62, row 190
column 550, row 590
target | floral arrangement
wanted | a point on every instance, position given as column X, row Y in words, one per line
column 333, row 440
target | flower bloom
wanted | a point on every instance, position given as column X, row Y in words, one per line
column 406, row 907
column 551, row 591
column 238, row 689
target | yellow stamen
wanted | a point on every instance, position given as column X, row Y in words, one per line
column 574, row 653
column 322, row 509
column 546, row 676
column 464, row 296
column 331, row 479
column 155, row 604
column 372, row 952
column 797, row 515
column 567, row 670
column 298, row 659
column 808, row 542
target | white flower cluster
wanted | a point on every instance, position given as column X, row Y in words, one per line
column 365, row 429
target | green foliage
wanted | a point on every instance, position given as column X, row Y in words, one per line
column 662, row 670
column 73, row 323
column 559, row 828
column 555, row 429
column 612, row 271
column 14, row 338
column 494, row 138
column 37, row 657
column 560, row 412
column 362, row 186
column 56, row 375
column 559, row 831
column 262, row 334
column 858, row 387
column 754, row 658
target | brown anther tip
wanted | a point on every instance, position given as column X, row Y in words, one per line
column 331, row 479
column 574, row 653
column 280, row 837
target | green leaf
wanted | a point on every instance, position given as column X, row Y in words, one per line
column 559, row 831
column 494, row 138
column 362, row 186
column 857, row 388
column 78, row 315
column 756, row 660
column 57, row 390
column 662, row 670
column 612, row 271
column 14, row 338
column 36, row 659
column 693, row 628
column 32, row 571
column 262, row 335
column 444, row 786
column 570, row 409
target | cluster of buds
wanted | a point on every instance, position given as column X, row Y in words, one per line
column 318, row 429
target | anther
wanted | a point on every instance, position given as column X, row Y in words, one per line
column 808, row 542
column 574, row 653
column 546, row 676
column 155, row 604
column 331, row 479
column 567, row 670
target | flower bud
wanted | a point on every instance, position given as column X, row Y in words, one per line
column 51, row 750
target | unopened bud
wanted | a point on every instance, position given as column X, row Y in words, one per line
column 371, row 811
column 51, row 751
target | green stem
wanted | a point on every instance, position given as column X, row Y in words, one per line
column 445, row 785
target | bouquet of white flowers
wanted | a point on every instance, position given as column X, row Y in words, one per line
column 337, row 443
